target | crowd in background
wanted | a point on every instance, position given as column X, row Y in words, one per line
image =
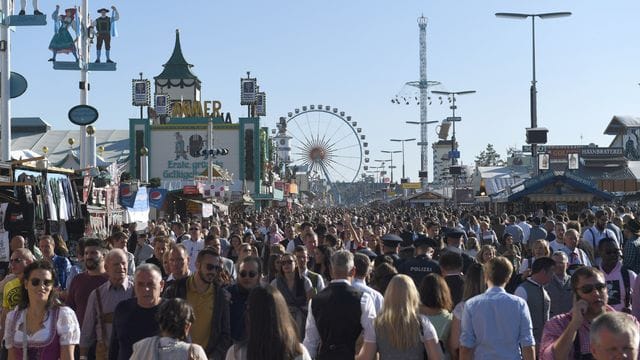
column 335, row 283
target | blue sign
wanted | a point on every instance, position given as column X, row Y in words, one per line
column 17, row 85
column 454, row 154
column 83, row 115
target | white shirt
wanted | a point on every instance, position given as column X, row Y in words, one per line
column 193, row 248
column 593, row 231
column 368, row 315
column 377, row 297
column 526, row 230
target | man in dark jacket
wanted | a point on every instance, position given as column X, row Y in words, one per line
column 211, row 329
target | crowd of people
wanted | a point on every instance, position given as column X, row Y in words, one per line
column 361, row 283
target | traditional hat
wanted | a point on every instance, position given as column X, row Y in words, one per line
column 105, row 10
column 454, row 233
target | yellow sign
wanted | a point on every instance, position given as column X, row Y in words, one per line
column 189, row 108
column 413, row 185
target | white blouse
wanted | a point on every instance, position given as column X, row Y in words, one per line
column 67, row 328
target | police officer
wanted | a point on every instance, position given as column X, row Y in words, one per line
column 390, row 247
column 422, row 264
column 454, row 243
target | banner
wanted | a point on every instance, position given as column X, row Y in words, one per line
column 127, row 197
column 140, row 209
column 157, row 197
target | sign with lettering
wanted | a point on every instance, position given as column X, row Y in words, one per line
column 177, row 153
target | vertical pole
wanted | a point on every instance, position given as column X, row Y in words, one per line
column 210, row 155
column 403, row 174
column 534, row 94
column 5, row 71
column 91, row 144
column 144, row 168
column 424, row 148
column 84, row 78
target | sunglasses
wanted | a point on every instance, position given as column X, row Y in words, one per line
column 45, row 282
column 250, row 274
column 17, row 260
column 213, row 267
column 588, row 289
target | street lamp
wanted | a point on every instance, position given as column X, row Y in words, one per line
column 391, row 152
column 455, row 154
column 533, row 91
column 403, row 141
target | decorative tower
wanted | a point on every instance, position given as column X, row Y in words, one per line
column 283, row 149
column 176, row 79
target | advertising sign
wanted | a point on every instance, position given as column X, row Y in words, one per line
column 141, row 92
column 177, row 153
column 248, row 91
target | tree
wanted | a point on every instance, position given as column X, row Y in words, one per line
column 489, row 157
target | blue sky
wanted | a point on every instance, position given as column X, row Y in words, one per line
column 356, row 55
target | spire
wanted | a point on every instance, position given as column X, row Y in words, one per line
column 177, row 67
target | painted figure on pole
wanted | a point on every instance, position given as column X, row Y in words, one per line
column 62, row 41
column 23, row 6
column 104, row 27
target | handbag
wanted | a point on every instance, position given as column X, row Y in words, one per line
column 102, row 348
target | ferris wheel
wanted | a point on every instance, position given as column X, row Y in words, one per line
column 327, row 142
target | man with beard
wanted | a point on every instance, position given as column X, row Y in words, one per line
column 83, row 284
column 566, row 333
column 211, row 329
column 249, row 271
column 98, row 320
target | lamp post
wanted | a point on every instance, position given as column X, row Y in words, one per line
column 391, row 152
column 454, row 148
column 403, row 141
column 533, row 91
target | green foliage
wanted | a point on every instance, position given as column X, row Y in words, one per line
column 489, row 157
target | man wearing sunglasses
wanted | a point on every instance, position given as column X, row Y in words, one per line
column 567, row 334
column 12, row 293
column 249, row 273
column 211, row 329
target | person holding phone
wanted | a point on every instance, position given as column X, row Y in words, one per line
column 566, row 334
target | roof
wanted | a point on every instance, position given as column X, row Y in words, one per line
column 619, row 123
column 496, row 179
column 533, row 185
column 115, row 143
column 177, row 67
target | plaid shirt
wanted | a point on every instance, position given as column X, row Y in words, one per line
column 631, row 254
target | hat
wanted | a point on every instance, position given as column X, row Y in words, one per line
column 454, row 233
column 633, row 226
column 423, row 240
column 370, row 254
column 391, row 240
column 103, row 10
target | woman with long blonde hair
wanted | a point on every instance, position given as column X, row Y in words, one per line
column 401, row 331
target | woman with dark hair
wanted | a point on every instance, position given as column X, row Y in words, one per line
column 322, row 255
column 474, row 284
column 234, row 250
column 436, row 304
column 510, row 250
column 296, row 289
column 175, row 317
column 52, row 331
column 272, row 332
column 381, row 275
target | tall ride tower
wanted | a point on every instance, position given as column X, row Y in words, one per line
column 424, row 140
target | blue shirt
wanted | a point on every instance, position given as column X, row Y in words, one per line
column 62, row 266
column 495, row 324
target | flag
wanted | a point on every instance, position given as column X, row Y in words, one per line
column 157, row 197
column 127, row 197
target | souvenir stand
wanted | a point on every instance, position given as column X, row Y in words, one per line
column 101, row 196
column 38, row 199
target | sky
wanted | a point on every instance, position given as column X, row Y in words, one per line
column 356, row 55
